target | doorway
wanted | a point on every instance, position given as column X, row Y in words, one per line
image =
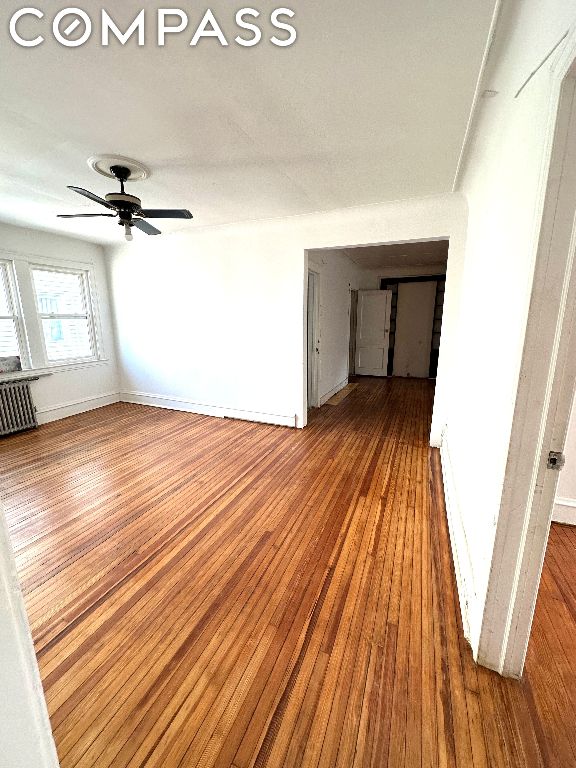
column 415, row 323
column 353, row 330
column 340, row 283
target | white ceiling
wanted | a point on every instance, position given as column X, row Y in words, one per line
column 370, row 104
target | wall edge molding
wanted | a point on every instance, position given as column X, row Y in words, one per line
column 189, row 406
column 564, row 511
column 332, row 392
column 74, row 407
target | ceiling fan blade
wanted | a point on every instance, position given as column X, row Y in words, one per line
column 144, row 226
column 166, row 213
column 83, row 215
column 92, row 196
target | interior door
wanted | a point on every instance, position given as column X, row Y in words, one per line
column 372, row 332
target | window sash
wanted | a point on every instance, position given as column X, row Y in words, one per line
column 87, row 315
column 7, row 290
column 57, row 316
column 8, row 283
column 11, row 337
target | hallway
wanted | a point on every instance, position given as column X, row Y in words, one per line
column 209, row 592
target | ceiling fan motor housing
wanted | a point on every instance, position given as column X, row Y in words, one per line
column 125, row 204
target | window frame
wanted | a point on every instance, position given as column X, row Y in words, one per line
column 8, row 278
column 89, row 313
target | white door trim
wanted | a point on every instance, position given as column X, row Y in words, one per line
column 543, row 401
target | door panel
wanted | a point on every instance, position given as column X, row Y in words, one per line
column 372, row 332
column 371, row 357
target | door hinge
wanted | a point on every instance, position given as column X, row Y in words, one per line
column 556, row 460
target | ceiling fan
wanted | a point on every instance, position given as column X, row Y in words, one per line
column 128, row 208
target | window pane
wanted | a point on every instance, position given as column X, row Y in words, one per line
column 58, row 293
column 4, row 303
column 8, row 339
column 67, row 339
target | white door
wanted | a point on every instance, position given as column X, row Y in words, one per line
column 373, row 332
column 414, row 323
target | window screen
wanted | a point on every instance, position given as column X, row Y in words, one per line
column 64, row 311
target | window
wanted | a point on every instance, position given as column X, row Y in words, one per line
column 47, row 315
column 64, row 310
column 9, row 320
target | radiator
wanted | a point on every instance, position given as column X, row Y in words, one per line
column 17, row 411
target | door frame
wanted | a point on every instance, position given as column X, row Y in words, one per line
column 313, row 364
column 396, row 281
column 544, row 397
column 352, row 316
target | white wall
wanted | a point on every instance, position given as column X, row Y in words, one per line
column 75, row 388
column 25, row 735
column 565, row 506
column 212, row 320
column 338, row 276
column 502, row 173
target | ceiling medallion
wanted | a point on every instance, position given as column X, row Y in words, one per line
column 102, row 164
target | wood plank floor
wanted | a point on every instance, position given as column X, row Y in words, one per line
column 550, row 674
column 207, row 592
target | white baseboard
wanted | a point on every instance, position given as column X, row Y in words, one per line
column 61, row 411
column 467, row 596
column 333, row 391
column 564, row 511
column 181, row 404
column 435, row 438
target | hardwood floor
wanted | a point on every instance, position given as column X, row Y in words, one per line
column 550, row 672
column 207, row 592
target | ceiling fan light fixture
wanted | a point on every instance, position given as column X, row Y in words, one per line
column 128, row 233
